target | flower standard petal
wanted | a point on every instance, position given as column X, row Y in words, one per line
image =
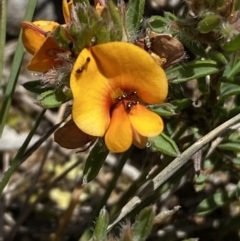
column 46, row 57
column 119, row 136
column 34, row 34
column 131, row 68
column 145, row 122
column 91, row 96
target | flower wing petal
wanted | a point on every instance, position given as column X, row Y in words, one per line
column 139, row 140
column 118, row 137
column 132, row 69
column 33, row 35
column 46, row 57
column 91, row 96
column 145, row 122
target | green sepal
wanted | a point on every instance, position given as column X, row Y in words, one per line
column 192, row 70
column 37, row 86
column 233, row 44
column 164, row 144
column 116, row 30
column 219, row 199
column 52, row 98
column 83, row 33
column 100, row 231
column 208, row 23
column 94, row 161
column 103, row 32
column 133, row 17
column 60, row 37
column 143, row 224
column 164, row 109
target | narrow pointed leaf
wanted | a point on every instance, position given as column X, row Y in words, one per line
column 100, row 231
column 36, row 86
column 52, row 99
column 219, row 199
column 94, row 161
column 163, row 109
column 192, row 70
column 164, row 144
column 143, row 224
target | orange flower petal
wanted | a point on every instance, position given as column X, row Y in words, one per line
column 139, row 140
column 145, row 122
column 71, row 137
column 46, row 57
column 34, row 34
column 132, row 69
column 119, row 136
column 91, row 95
column 67, row 6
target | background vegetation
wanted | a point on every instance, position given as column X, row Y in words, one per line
column 184, row 186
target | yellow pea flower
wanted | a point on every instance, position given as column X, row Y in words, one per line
column 111, row 84
column 35, row 33
column 37, row 40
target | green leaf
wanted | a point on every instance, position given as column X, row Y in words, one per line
column 161, row 24
column 100, row 231
column 195, row 47
column 133, row 16
column 181, row 104
column 200, row 181
column 217, row 56
column 230, row 146
column 233, row 44
column 163, row 109
column 228, row 90
column 192, row 70
column 94, row 161
column 52, row 99
column 219, row 199
column 231, row 80
column 36, row 86
column 164, row 144
column 143, row 224
column 158, row 23
column 234, row 70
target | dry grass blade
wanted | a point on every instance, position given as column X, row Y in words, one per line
column 175, row 165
